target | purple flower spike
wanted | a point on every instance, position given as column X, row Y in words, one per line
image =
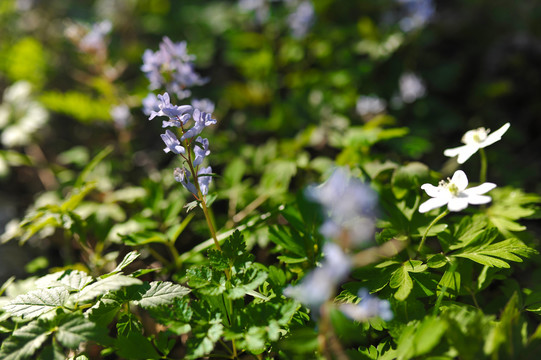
column 172, row 143
column 201, row 153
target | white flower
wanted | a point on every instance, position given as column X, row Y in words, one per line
column 475, row 140
column 454, row 194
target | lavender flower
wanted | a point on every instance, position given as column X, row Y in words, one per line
column 200, row 152
column 171, row 143
column 121, row 115
column 173, row 112
column 183, row 176
column 350, row 207
column 204, row 179
column 205, row 105
column 151, row 104
column 171, row 67
column 202, row 120
column 418, row 13
column 320, row 284
column 94, row 40
column 369, row 307
column 301, row 19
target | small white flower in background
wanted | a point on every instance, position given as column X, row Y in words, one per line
column 370, row 105
column 454, row 194
column 20, row 115
column 411, row 87
column 369, row 307
column 320, row 284
column 475, row 140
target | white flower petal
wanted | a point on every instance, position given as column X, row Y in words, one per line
column 479, row 199
column 431, row 190
column 495, row 136
column 481, row 189
column 432, row 204
column 467, row 152
column 458, row 203
column 454, row 151
column 460, row 180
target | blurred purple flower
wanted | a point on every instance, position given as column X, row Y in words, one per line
column 301, row 19
column 418, row 13
column 204, row 105
column 171, row 67
column 349, row 206
column 369, row 307
column 320, row 284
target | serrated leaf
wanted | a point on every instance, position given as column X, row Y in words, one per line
column 103, row 286
column 24, row 342
column 74, row 329
column 162, row 293
column 72, row 280
column 37, row 302
column 494, row 255
column 415, row 266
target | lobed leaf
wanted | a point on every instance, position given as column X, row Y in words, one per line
column 24, row 342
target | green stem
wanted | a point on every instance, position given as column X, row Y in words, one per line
column 483, row 171
column 430, row 227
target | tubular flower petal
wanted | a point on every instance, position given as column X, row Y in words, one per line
column 454, row 194
column 172, row 143
column 475, row 140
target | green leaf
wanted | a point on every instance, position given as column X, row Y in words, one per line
column 421, row 338
column 128, row 259
column 74, row 329
column 498, row 254
column 37, row 302
column 506, row 331
column 248, row 280
column 104, row 311
column 206, row 280
column 128, row 324
column 24, row 342
column 72, row 280
column 103, row 286
column 204, row 338
column 401, row 280
column 135, row 346
column 162, row 293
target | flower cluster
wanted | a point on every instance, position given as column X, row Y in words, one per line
column 454, row 194
column 195, row 178
column 171, row 68
column 349, row 206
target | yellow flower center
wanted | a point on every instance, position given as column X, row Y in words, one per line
column 480, row 134
column 449, row 186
